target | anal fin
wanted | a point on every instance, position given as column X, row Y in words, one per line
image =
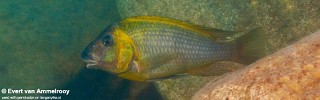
column 168, row 77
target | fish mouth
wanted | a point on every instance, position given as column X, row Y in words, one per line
column 90, row 59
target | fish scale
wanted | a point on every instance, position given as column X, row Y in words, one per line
column 188, row 49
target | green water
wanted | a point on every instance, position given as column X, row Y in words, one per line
column 41, row 42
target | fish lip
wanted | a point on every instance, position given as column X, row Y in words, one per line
column 91, row 63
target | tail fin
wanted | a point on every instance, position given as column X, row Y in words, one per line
column 251, row 46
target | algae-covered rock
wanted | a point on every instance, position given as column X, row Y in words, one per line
column 284, row 22
column 174, row 89
column 292, row 73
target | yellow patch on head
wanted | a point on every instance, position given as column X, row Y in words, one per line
column 124, row 50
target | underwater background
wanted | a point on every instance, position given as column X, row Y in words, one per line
column 41, row 40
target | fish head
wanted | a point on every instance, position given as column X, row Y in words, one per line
column 110, row 51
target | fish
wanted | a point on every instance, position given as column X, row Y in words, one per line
column 146, row 48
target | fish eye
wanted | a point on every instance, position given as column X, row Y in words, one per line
column 107, row 40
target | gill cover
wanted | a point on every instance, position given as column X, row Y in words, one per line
column 124, row 50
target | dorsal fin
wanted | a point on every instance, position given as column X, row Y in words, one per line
column 215, row 34
column 223, row 36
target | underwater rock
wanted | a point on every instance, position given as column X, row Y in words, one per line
column 174, row 89
column 291, row 73
column 285, row 21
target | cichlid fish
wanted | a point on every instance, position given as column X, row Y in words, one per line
column 149, row 47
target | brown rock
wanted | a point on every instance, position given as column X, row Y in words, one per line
column 291, row 73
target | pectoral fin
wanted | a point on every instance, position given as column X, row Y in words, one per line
column 218, row 68
column 161, row 66
column 158, row 60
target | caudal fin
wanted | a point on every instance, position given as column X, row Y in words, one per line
column 251, row 46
